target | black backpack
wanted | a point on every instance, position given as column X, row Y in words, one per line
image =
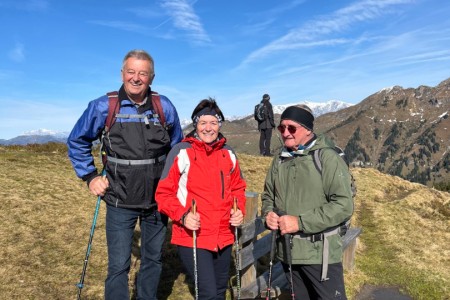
column 113, row 110
column 260, row 112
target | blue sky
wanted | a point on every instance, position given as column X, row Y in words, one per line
column 56, row 56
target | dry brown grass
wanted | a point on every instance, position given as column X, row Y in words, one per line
column 254, row 169
column 47, row 214
column 410, row 223
column 44, row 224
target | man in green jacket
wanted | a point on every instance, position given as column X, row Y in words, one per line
column 308, row 207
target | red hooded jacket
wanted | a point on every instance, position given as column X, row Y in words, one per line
column 210, row 174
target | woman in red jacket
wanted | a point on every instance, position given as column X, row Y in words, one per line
column 204, row 168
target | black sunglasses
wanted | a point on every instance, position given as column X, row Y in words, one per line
column 291, row 128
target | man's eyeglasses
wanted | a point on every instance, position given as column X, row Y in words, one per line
column 291, row 128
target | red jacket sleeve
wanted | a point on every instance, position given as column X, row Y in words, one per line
column 238, row 186
column 166, row 193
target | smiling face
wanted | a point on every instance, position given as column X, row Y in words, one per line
column 293, row 134
column 137, row 75
column 208, row 128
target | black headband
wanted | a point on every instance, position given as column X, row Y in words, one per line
column 299, row 115
column 206, row 111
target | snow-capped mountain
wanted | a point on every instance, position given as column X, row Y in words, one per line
column 318, row 108
column 43, row 132
column 41, row 136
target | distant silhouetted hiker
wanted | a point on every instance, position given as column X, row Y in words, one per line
column 135, row 146
column 316, row 207
column 264, row 115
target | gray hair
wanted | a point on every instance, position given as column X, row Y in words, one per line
column 139, row 54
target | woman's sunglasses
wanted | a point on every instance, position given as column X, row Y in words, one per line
column 291, row 128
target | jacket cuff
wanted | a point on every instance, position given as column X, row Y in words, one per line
column 300, row 225
column 183, row 217
column 88, row 178
column 264, row 218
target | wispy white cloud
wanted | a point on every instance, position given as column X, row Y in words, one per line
column 337, row 22
column 286, row 6
column 429, row 56
column 419, row 59
column 184, row 17
column 17, row 54
column 266, row 18
column 145, row 12
column 256, row 28
column 127, row 26
column 387, row 52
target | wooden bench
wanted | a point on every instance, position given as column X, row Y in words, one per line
column 254, row 242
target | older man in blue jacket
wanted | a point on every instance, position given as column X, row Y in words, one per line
column 135, row 148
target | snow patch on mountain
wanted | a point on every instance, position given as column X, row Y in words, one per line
column 42, row 131
column 318, row 108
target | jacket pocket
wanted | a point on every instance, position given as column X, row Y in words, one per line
column 306, row 251
column 134, row 186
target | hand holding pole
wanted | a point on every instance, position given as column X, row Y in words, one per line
column 194, row 250
column 236, row 246
column 80, row 285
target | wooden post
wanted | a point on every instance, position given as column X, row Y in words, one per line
column 248, row 275
column 350, row 242
column 348, row 258
column 251, row 206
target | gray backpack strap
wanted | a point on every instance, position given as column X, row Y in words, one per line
column 326, row 248
column 340, row 229
column 133, row 116
column 316, row 160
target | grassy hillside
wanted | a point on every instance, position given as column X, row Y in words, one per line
column 47, row 214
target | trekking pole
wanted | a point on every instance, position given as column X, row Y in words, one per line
column 237, row 262
column 272, row 255
column 80, row 285
column 194, row 251
column 287, row 242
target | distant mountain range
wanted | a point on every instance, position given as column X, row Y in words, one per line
column 42, row 136
column 39, row 136
column 400, row 131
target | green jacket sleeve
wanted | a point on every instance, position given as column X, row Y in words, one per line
column 268, row 195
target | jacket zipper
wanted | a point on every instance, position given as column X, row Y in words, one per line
column 223, row 187
column 142, row 127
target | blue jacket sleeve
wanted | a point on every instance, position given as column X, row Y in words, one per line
column 171, row 114
column 87, row 129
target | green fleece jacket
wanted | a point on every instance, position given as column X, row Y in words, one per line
column 295, row 186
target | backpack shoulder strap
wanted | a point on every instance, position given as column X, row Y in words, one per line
column 156, row 102
column 316, row 159
column 316, row 154
column 113, row 109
